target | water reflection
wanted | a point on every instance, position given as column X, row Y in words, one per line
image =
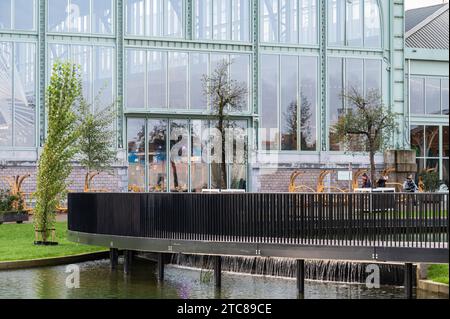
column 98, row 281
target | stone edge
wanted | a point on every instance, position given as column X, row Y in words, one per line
column 434, row 287
column 54, row 261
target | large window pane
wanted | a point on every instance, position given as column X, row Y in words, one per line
column 178, row 65
column 336, row 22
column 103, row 75
column 6, row 98
column 199, row 156
column 308, row 103
column 269, row 102
column 432, row 141
column 353, row 77
column 25, row 95
column 157, row 155
column 289, row 104
column 135, row 79
column 372, row 24
column 203, row 19
column 198, row 63
column 289, row 21
column 102, row 16
column 58, row 20
column 240, row 72
column 157, row 79
column 308, row 21
column 372, row 74
column 154, row 17
column 433, row 95
column 82, row 55
column 269, row 27
column 179, row 156
column 79, row 16
column 354, row 23
column 445, row 109
column 221, row 19
column 445, row 169
column 24, row 17
column 418, row 140
column 417, row 95
column 135, row 17
column 240, row 154
column 5, row 14
column 136, row 155
column 241, row 20
column 174, row 18
column 335, row 101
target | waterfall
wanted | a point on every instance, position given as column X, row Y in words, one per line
column 321, row 270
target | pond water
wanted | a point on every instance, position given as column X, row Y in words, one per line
column 98, row 281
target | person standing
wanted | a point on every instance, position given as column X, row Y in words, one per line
column 366, row 182
column 409, row 186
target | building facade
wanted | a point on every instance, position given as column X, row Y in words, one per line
column 295, row 57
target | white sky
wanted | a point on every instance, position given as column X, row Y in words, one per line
column 411, row 4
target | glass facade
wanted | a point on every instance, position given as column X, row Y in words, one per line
column 173, row 79
column 429, row 95
column 17, row 94
column 431, row 145
column 289, row 21
column 182, row 156
column 289, row 90
column 155, row 18
column 81, row 16
column 346, row 75
column 355, row 23
column 18, row 15
column 97, row 67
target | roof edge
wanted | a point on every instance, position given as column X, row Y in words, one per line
column 430, row 18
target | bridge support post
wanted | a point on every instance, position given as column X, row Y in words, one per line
column 301, row 277
column 409, row 276
column 128, row 256
column 218, row 271
column 160, row 266
column 114, row 258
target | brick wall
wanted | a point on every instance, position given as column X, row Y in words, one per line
column 116, row 181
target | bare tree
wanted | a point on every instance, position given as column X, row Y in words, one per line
column 366, row 125
column 225, row 96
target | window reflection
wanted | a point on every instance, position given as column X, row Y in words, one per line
column 18, row 15
column 432, row 141
column 157, row 155
column 199, row 156
column 418, row 140
column 179, row 156
column 136, row 155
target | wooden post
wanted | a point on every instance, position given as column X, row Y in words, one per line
column 409, row 280
column 301, row 277
column 218, row 271
column 160, row 266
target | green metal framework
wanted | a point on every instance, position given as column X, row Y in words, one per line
column 392, row 54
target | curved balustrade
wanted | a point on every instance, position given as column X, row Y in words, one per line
column 392, row 227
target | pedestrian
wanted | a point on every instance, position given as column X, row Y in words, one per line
column 367, row 183
column 409, row 186
column 381, row 183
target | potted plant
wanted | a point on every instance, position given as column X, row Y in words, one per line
column 429, row 183
column 11, row 208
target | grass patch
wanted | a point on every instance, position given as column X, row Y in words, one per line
column 438, row 273
column 16, row 243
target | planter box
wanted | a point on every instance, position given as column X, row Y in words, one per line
column 11, row 217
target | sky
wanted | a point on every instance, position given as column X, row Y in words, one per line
column 411, row 4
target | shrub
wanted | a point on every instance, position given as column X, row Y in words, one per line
column 430, row 180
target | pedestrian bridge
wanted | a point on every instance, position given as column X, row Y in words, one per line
column 407, row 228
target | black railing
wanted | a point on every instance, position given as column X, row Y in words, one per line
column 368, row 220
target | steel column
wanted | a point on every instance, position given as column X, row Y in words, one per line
column 114, row 257
column 409, row 280
column 160, row 266
column 301, row 277
column 218, row 271
column 128, row 256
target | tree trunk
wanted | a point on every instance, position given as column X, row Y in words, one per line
column 223, row 178
column 372, row 168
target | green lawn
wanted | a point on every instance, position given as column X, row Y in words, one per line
column 16, row 243
column 438, row 273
